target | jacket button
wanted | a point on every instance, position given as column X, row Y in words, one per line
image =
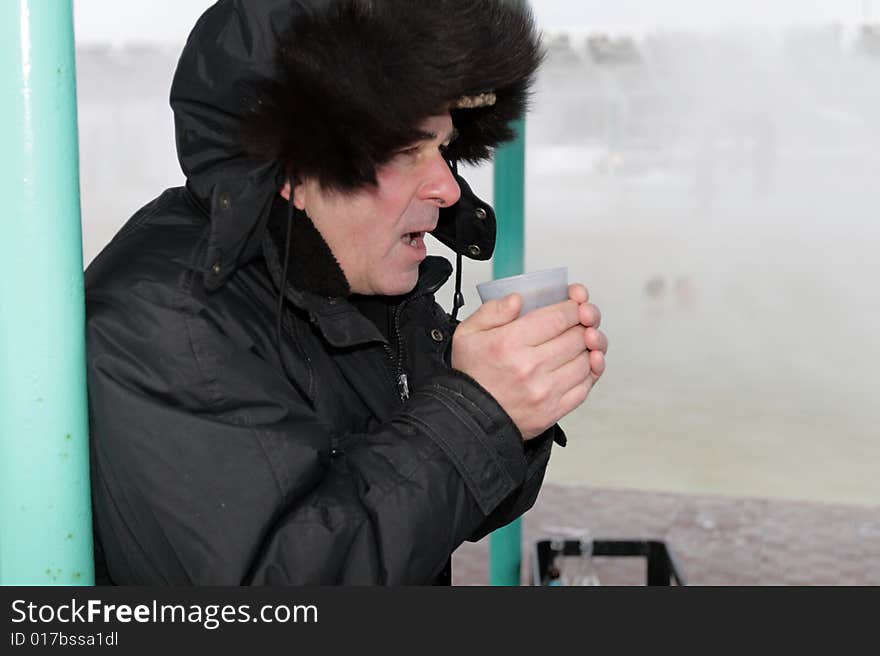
column 474, row 250
column 224, row 202
column 437, row 335
column 480, row 213
column 216, row 269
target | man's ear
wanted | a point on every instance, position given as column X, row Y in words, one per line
column 299, row 193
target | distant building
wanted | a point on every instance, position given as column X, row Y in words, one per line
column 605, row 50
column 560, row 50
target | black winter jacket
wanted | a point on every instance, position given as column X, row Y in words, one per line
column 220, row 456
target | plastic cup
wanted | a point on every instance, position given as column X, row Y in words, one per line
column 537, row 289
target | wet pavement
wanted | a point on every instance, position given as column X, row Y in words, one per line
column 715, row 540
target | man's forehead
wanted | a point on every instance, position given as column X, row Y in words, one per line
column 435, row 128
column 450, row 135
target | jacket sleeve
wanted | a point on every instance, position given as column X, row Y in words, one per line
column 209, row 468
column 537, row 454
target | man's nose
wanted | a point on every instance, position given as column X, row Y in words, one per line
column 441, row 186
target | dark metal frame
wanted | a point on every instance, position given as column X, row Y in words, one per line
column 662, row 568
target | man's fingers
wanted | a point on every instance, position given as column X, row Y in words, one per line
column 589, row 315
column 492, row 314
column 578, row 293
column 558, row 351
column 597, row 363
column 577, row 378
column 544, row 324
column 575, row 397
column 572, row 374
column 595, row 340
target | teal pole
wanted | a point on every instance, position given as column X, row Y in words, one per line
column 510, row 173
column 505, row 544
column 45, row 514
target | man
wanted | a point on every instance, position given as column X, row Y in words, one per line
column 275, row 396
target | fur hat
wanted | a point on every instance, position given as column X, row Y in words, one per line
column 355, row 78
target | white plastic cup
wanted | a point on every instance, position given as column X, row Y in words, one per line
column 538, row 289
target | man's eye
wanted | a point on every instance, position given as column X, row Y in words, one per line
column 414, row 150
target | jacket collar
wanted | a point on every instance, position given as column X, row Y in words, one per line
column 320, row 288
column 343, row 325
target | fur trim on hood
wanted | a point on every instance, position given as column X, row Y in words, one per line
column 354, row 79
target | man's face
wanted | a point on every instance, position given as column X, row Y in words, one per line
column 377, row 233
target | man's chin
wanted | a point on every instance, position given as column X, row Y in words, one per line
column 400, row 285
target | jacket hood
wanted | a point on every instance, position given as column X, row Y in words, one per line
column 335, row 87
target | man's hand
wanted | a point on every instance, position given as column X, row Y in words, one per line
column 538, row 367
column 594, row 339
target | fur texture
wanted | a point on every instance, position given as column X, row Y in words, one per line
column 355, row 78
column 312, row 265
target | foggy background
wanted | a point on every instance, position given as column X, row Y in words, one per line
column 715, row 187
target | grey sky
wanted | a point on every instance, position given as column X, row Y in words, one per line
column 698, row 13
column 169, row 21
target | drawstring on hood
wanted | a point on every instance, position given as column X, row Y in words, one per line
column 458, row 298
column 279, row 310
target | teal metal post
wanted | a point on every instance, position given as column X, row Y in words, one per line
column 510, row 173
column 505, row 544
column 45, row 514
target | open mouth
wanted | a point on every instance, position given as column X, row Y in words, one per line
column 414, row 239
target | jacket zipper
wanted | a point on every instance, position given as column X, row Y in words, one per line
column 399, row 376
